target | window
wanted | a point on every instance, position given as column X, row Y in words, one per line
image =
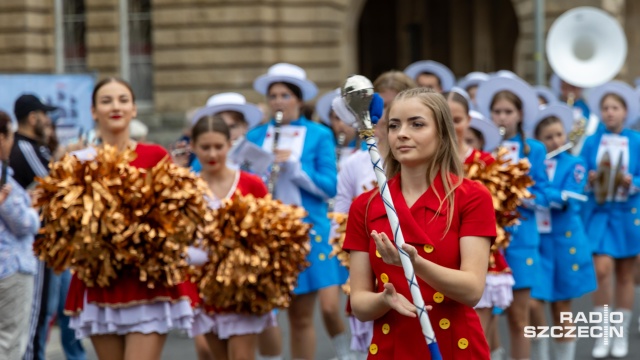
column 140, row 49
column 74, row 58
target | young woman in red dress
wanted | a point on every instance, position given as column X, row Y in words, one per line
column 126, row 320
column 229, row 335
column 448, row 223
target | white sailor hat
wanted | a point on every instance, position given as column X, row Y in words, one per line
column 230, row 102
column 473, row 79
column 286, row 73
column 339, row 106
column 462, row 92
column 323, row 105
column 489, row 130
column 488, row 89
column 622, row 89
column 447, row 79
column 559, row 110
column 547, row 94
column 556, row 84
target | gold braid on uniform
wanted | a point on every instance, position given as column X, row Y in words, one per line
column 104, row 215
column 256, row 252
column 508, row 185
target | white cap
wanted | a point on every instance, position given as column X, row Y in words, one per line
column 287, row 73
column 230, row 102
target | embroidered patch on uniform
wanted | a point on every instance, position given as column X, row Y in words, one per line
column 578, row 173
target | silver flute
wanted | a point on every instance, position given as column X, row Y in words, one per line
column 341, row 139
column 275, row 168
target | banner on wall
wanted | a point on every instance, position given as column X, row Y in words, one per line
column 71, row 93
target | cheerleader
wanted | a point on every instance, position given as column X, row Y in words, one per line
column 126, row 320
column 307, row 177
column 448, row 223
column 565, row 254
column 431, row 74
column 230, row 336
column 509, row 101
column 611, row 217
column 497, row 291
column 239, row 116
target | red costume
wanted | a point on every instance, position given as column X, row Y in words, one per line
column 127, row 290
column 457, row 327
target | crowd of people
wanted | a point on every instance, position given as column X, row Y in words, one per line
column 575, row 235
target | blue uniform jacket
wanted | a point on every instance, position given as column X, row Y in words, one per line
column 614, row 227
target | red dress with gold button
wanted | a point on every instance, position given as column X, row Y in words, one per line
column 457, row 327
column 498, row 290
column 128, row 305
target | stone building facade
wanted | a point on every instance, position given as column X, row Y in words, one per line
column 179, row 52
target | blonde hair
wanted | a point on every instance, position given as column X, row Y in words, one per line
column 393, row 80
column 446, row 159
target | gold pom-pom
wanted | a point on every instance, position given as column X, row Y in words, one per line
column 508, row 185
column 338, row 241
column 257, row 250
column 102, row 215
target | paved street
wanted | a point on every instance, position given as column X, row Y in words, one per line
column 179, row 347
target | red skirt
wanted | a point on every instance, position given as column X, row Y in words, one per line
column 125, row 291
column 498, row 263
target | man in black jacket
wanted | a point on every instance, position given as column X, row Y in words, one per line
column 30, row 157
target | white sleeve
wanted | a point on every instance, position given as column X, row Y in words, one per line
column 346, row 190
column 197, row 256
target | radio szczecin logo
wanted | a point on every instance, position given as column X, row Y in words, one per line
column 584, row 325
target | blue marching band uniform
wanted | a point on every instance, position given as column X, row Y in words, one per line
column 614, row 227
column 523, row 254
column 565, row 252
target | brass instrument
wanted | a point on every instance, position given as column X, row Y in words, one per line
column 578, row 132
column 275, row 168
column 586, row 47
column 603, row 178
column 617, row 176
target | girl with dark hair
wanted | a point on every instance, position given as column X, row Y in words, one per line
column 126, row 320
column 230, row 336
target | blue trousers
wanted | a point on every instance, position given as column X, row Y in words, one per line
column 53, row 304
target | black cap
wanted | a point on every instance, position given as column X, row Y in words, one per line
column 27, row 103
